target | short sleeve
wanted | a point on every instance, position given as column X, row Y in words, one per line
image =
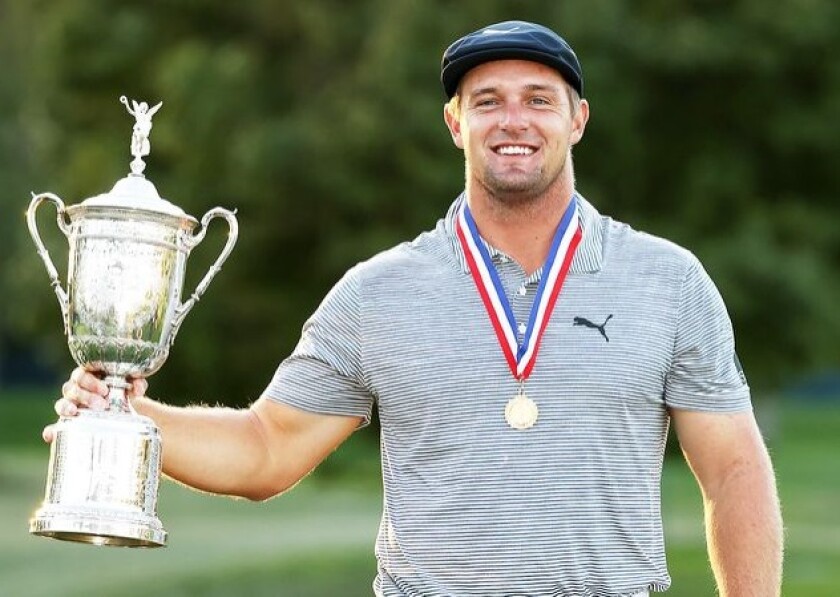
column 324, row 373
column 705, row 373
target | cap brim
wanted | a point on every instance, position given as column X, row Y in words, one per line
column 454, row 71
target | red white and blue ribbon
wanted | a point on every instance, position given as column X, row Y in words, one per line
column 520, row 357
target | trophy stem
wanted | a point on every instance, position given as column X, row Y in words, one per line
column 117, row 400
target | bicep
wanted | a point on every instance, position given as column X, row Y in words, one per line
column 295, row 440
column 718, row 445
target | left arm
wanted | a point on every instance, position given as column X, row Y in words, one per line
column 728, row 457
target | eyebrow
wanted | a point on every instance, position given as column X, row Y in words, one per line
column 529, row 87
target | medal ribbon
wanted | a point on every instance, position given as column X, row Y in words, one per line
column 520, row 358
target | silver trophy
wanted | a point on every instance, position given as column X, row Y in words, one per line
column 122, row 309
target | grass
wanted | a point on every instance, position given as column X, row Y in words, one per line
column 23, row 413
column 304, row 542
column 318, row 540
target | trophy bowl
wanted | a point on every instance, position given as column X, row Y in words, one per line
column 122, row 309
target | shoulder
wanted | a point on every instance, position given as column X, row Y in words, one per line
column 652, row 266
column 644, row 252
column 397, row 283
column 429, row 256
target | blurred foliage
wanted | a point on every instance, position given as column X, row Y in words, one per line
column 713, row 124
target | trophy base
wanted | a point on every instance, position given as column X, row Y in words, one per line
column 70, row 526
column 102, row 482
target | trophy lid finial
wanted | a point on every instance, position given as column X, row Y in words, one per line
column 135, row 191
column 142, row 128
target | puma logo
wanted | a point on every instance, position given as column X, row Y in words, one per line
column 586, row 323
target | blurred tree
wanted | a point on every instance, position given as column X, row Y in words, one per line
column 19, row 139
column 321, row 122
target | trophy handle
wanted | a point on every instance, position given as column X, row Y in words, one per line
column 191, row 242
column 37, row 200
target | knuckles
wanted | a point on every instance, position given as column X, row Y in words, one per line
column 85, row 390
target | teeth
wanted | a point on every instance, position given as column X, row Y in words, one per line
column 515, row 150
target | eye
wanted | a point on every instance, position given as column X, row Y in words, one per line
column 540, row 101
column 485, row 102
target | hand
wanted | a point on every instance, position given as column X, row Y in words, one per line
column 85, row 390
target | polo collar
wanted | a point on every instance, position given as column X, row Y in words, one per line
column 587, row 258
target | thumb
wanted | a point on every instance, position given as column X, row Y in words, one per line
column 138, row 387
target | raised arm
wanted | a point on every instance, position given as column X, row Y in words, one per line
column 254, row 453
column 743, row 520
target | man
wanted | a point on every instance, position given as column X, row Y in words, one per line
column 525, row 357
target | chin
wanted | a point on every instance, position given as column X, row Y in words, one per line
column 515, row 196
column 515, row 189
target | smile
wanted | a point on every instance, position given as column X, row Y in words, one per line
column 514, row 150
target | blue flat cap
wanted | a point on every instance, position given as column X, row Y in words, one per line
column 510, row 40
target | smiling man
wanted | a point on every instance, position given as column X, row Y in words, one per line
column 519, row 126
column 516, row 122
column 522, row 440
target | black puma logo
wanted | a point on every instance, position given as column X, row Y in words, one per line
column 585, row 322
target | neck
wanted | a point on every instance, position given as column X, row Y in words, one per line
column 522, row 228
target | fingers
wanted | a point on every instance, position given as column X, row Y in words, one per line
column 64, row 408
column 88, row 381
column 85, row 390
column 82, row 389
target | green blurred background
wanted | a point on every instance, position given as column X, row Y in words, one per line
column 715, row 124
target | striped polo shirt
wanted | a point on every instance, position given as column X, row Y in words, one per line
column 473, row 507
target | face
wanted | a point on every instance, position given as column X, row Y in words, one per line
column 516, row 127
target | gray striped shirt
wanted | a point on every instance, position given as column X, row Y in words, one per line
column 473, row 507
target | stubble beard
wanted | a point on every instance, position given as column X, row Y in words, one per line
column 517, row 189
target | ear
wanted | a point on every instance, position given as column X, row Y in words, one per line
column 453, row 123
column 579, row 122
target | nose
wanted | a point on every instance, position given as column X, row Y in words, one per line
column 513, row 118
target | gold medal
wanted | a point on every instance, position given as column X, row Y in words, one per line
column 520, row 342
column 521, row 412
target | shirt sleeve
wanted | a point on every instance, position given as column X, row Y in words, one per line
column 324, row 373
column 705, row 373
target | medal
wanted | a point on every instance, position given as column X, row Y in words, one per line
column 520, row 412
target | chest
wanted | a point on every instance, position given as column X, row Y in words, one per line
column 438, row 364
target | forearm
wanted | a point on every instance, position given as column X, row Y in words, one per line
column 219, row 450
column 744, row 532
column 254, row 453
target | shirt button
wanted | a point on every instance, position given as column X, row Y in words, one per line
column 522, row 328
column 522, row 291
